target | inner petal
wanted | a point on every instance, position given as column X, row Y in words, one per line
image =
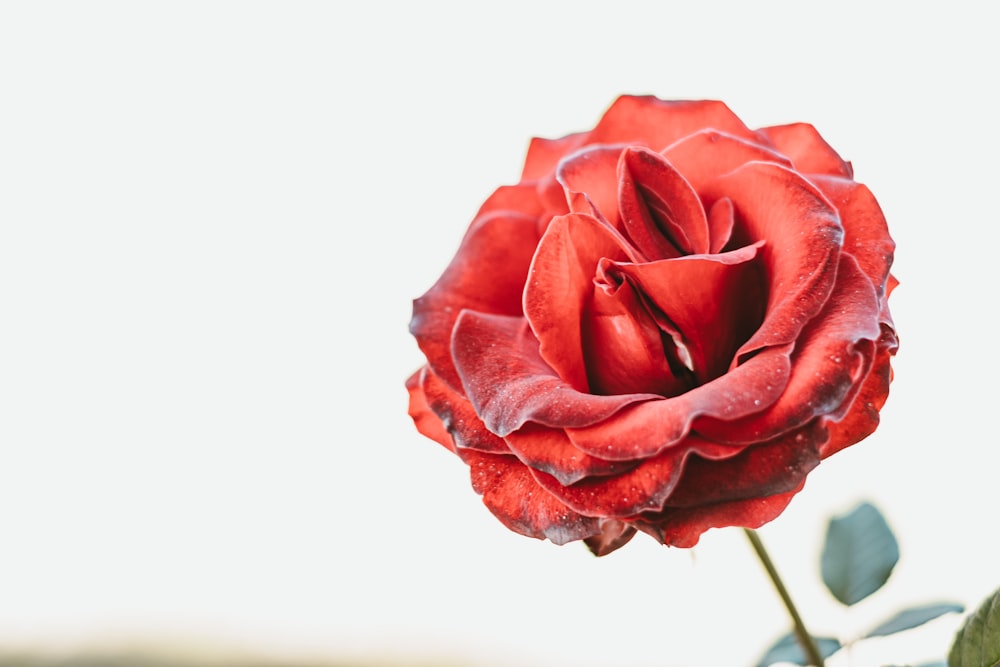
column 624, row 349
column 709, row 304
column 560, row 285
column 804, row 238
column 588, row 180
column 660, row 211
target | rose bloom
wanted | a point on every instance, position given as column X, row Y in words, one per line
column 663, row 327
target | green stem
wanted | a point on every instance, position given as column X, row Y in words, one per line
column 806, row 640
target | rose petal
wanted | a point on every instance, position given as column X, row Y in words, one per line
column 646, row 429
column 589, row 182
column 560, row 286
column 808, row 151
column 544, row 154
column 721, row 218
column 551, row 451
column 762, row 469
column 863, row 417
column 646, row 487
column 459, row 418
column 831, row 358
column 552, row 197
column 866, row 234
column 423, row 417
column 487, row 274
column 655, row 123
column 512, row 495
column 707, row 154
column 660, row 211
column 684, row 527
column 624, row 346
column 519, row 199
column 803, row 236
column 614, row 535
column 510, row 385
column 713, row 302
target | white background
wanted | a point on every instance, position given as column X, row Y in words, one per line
column 213, row 217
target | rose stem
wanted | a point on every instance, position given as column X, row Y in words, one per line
column 806, row 640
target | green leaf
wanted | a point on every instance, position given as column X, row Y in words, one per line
column 977, row 644
column 912, row 617
column 787, row 649
column 859, row 554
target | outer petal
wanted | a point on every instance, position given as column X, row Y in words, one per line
column 651, row 427
column 684, row 527
column 423, row 417
column 614, row 535
column 487, row 274
column 560, row 285
column 458, row 417
column 866, row 234
column 863, row 417
column 808, row 151
column 510, row 385
column 519, row 199
column 550, row 450
column 656, row 123
column 646, row 487
column 514, row 498
column 762, row 469
column 708, row 154
column 552, row 197
column 803, row 235
column 545, row 154
column 832, row 358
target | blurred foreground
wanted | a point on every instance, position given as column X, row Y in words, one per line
column 182, row 658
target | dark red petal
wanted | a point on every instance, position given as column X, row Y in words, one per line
column 589, row 180
column 623, row 346
column 684, row 527
column 487, row 274
column 863, row 417
column 614, row 535
column 832, row 358
column 762, row 469
column 561, row 284
column 515, row 498
column 510, row 385
column 715, row 302
column 646, row 487
column 459, row 418
column 803, row 235
column 866, row 234
column 651, row 427
column 423, row 417
column 551, row 451
column 720, row 224
column 808, row 151
column 544, row 154
column 656, row 123
column 707, row 154
column 660, row 211
column 553, row 200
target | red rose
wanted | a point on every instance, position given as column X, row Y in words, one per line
column 664, row 326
